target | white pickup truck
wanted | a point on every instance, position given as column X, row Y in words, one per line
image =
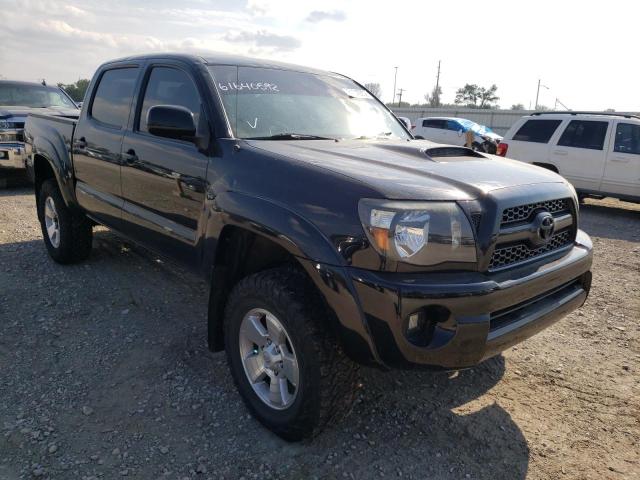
column 599, row 153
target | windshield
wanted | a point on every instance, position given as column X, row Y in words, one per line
column 33, row 96
column 473, row 126
column 264, row 102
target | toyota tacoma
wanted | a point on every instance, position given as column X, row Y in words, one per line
column 329, row 235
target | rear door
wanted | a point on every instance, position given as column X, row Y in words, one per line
column 163, row 179
column 580, row 152
column 97, row 142
column 622, row 168
column 434, row 129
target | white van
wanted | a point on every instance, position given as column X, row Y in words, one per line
column 599, row 153
column 452, row 131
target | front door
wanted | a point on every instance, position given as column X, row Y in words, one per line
column 163, row 179
column 622, row 169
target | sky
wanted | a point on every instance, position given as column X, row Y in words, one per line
column 585, row 52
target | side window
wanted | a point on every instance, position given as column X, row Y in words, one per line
column 584, row 134
column 170, row 86
column 453, row 125
column 538, row 131
column 627, row 138
column 112, row 100
column 434, row 124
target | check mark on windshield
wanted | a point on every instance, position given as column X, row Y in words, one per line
column 255, row 123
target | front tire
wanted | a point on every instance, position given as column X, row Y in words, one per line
column 67, row 234
column 289, row 369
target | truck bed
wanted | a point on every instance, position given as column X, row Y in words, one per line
column 52, row 137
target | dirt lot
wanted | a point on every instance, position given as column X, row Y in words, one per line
column 104, row 373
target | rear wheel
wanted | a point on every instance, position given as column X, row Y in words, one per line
column 289, row 370
column 67, row 234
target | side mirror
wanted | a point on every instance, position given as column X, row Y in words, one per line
column 79, row 104
column 460, row 132
column 171, row 121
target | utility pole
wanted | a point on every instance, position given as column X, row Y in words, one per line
column 538, row 92
column 395, row 77
column 437, row 90
column 400, row 90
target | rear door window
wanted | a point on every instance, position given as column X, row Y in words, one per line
column 442, row 124
column 584, row 134
column 627, row 138
column 112, row 100
column 537, row 131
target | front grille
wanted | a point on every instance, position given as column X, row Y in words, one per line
column 512, row 254
column 518, row 239
column 12, row 137
column 525, row 212
column 475, row 219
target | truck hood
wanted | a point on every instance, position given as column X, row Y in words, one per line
column 414, row 170
column 7, row 112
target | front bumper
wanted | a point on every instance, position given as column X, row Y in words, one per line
column 13, row 155
column 484, row 313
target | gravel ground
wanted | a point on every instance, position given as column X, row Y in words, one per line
column 104, row 373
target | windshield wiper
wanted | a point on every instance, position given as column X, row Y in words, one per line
column 290, row 136
column 381, row 135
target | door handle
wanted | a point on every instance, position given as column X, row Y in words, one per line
column 620, row 159
column 81, row 143
column 563, row 153
column 130, row 157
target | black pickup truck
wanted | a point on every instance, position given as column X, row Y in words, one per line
column 329, row 235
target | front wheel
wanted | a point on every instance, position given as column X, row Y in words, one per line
column 67, row 234
column 289, row 370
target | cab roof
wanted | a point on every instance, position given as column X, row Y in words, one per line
column 214, row 58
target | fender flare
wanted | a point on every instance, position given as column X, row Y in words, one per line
column 266, row 218
column 314, row 253
column 56, row 154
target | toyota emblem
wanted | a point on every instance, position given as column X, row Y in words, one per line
column 547, row 227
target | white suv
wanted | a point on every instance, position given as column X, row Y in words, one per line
column 599, row 153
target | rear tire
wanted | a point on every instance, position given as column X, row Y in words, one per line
column 326, row 379
column 67, row 234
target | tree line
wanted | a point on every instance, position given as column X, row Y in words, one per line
column 468, row 96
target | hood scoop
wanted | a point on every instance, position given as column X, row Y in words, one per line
column 433, row 153
column 449, row 152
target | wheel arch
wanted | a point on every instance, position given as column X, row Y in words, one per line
column 272, row 237
column 49, row 159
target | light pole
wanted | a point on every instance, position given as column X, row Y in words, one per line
column 538, row 92
column 395, row 77
column 401, row 90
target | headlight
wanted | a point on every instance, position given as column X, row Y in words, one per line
column 420, row 233
column 4, row 125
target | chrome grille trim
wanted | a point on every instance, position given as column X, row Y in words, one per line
column 522, row 213
column 507, row 256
